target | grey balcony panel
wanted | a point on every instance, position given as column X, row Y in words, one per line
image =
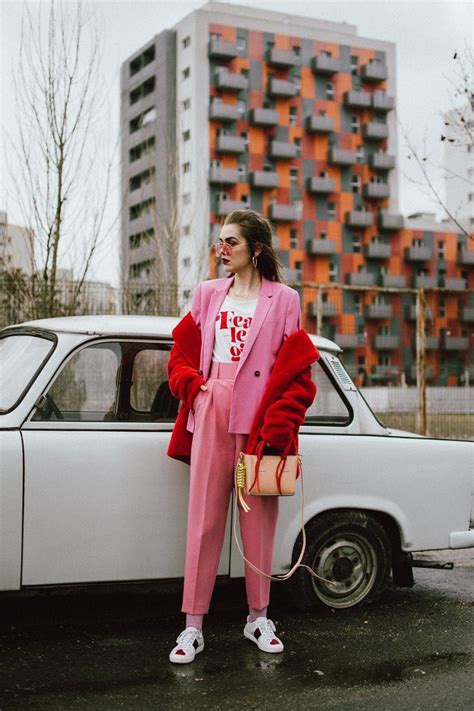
column 293, row 276
column 390, row 222
column 376, row 191
column 349, row 340
column 467, row 315
column 385, row 372
column 454, row 284
column 378, row 311
column 282, row 58
column 264, row 117
column 374, row 131
column 328, row 309
column 428, row 372
column 465, row 256
column 276, row 242
column 219, row 111
column 281, row 87
column 226, row 176
column 361, row 279
column 323, row 64
column 231, row 81
column 264, row 179
column 342, row 156
column 224, row 207
column 373, row 71
column 386, row 342
column 230, row 144
column 284, row 213
column 393, row 281
column 418, row 254
column 455, row 343
column 431, row 343
column 382, row 161
column 411, row 313
column 377, row 250
column 281, row 149
column 357, row 99
column 319, row 124
column 425, row 282
column 359, row 218
column 321, row 247
column 218, row 49
column 381, row 101
column 316, row 184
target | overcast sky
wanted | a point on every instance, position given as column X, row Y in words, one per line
column 426, row 34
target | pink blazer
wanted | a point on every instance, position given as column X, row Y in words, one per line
column 277, row 316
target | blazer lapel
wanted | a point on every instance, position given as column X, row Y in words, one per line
column 263, row 304
column 215, row 303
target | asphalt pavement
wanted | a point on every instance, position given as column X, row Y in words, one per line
column 108, row 649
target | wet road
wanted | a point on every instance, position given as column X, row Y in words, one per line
column 102, row 650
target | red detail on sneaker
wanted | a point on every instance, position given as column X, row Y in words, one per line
column 181, row 651
column 274, row 641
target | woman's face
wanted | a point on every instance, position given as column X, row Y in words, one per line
column 235, row 254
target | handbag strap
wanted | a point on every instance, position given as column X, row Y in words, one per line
column 298, row 564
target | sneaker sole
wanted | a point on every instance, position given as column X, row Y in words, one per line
column 251, row 637
column 178, row 660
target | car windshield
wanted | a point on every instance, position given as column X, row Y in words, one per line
column 21, row 357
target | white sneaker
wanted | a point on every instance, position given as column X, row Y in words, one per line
column 262, row 632
column 189, row 643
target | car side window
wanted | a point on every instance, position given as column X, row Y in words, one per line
column 328, row 408
column 122, row 381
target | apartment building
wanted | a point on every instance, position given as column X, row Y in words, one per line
column 293, row 117
column 16, row 247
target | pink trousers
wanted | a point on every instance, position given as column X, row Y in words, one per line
column 214, row 455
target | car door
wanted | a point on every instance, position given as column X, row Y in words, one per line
column 102, row 500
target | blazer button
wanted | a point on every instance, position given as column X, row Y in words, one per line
column 199, row 372
column 257, row 373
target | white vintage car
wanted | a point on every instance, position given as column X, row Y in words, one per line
column 88, row 494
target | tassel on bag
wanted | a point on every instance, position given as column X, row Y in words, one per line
column 240, row 474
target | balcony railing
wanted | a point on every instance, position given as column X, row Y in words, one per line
column 373, row 71
column 393, row 281
column 316, row 184
column 342, row 156
column 319, row 124
column 418, row 253
column 385, row 372
column 264, row 117
column 359, row 218
column 282, row 58
column 428, row 372
column 453, row 284
column 377, row 250
column 411, row 313
column 323, row 64
column 293, row 276
column 328, row 309
column 455, row 343
column 465, row 256
column 382, row 161
column 218, row 49
column 378, row 311
column 219, row 111
column 230, row 144
column 467, row 314
column 284, row 213
column 425, row 282
column 361, row 279
column 349, row 340
column 264, row 179
column 382, row 101
column 386, row 341
column 231, row 81
column 375, row 131
column 225, row 206
column 357, row 99
column 321, row 247
column 226, row 176
column 376, row 191
column 389, row 221
column 281, row 149
column 281, row 87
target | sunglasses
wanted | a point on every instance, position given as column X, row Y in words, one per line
column 225, row 247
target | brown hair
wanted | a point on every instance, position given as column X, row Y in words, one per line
column 257, row 229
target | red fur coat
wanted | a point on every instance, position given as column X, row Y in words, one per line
column 289, row 392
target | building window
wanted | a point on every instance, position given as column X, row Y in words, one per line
column 356, row 183
column 323, row 235
column 241, row 44
column 355, row 123
column 143, row 90
column 332, row 271
column 293, row 117
column 241, row 107
column 142, row 149
column 186, row 167
column 441, row 254
column 187, row 262
column 186, row 73
column 242, row 172
column 354, row 63
column 360, row 154
column 187, row 230
column 293, row 176
column 186, row 104
column 330, row 90
column 141, row 208
column 293, row 239
column 143, row 178
column 357, row 305
column 245, row 136
column 186, row 41
column 186, row 198
column 442, row 307
column 140, row 238
column 142, row 119
column 331, row 210
column 141, row 269
column 186, row 135
column 142, row 60
column 356, row 247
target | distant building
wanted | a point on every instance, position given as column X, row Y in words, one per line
column 459, row 164
column 16, row 246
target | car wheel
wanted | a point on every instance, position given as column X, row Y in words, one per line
column 351, row 550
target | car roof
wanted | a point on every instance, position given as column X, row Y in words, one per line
column 129, row 325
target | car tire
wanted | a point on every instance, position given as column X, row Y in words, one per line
column 349, row 548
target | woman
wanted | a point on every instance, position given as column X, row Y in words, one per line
column 242, row 367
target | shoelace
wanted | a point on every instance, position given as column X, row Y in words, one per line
column 267, row 628
column 187, row 637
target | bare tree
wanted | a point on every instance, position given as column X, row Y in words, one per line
column 60, row 169
column 459, row 131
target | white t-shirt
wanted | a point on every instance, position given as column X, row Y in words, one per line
column 232, row 327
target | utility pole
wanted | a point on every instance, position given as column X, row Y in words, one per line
column 421, row 359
